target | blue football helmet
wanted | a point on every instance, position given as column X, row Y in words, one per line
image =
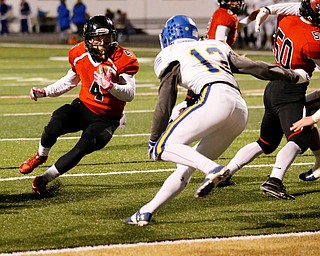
column 179, row 26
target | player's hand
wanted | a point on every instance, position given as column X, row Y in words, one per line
column 306, row 121
column 103, row 77
column 151, row 148
column 123, row 121
column 303, row 76
column 177, row 110
column 261, row 17
column 36, row 93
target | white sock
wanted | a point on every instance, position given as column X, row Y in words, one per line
column 185, row 155
column 244, row 156
column 316, row 173
column 284, row 159
column 172, row 186
column 51, row 173
column 42, row 151
column 316, row 165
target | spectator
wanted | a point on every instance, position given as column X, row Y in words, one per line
column 79, row 17
column 4, row 8
column 63, row 21
column 24, row 16
column 110, row 14
column 123, row 25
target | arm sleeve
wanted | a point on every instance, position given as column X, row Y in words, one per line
column 260, row 69
column 63, row 85
column 275, row 9
column 222, row 33
column 125, row 92
column 285, row 9
column 167, row 99
column 316, row 116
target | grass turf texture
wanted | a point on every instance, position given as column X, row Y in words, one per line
column 90, row 210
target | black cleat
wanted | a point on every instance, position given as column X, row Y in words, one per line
column 274, row 187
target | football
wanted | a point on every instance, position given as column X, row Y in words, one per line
column 107, row 69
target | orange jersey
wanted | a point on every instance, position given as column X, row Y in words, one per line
column 223, row 17
column 91, row 94
column 296, row 43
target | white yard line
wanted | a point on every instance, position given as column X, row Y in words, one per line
column 133, row 172
column 188, row 241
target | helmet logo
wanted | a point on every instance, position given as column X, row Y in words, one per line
column 102, row 31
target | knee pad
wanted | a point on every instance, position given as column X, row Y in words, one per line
column 303, row 139
column 48, row 140
column 267, row 149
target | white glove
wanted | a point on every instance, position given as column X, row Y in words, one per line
column 151, row 146
column 104, row 77
column 261, row 17
column 303, row 76
column 177, row 110
column 36, row 93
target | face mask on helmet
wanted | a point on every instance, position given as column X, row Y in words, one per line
column 234, row 5
column 100, row 37
column 310, row 10
column 179, row 26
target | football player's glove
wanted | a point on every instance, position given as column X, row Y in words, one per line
column 261, row 17
column 36, row 93
column 303, row 76
column 151, row 148
column 123, row 121
column 103, row 77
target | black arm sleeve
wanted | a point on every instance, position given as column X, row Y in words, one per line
column 167, row 93
column 260, row 69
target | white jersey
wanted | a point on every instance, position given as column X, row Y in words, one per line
column 201, row 62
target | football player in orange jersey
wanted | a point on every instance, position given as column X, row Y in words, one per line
column 107, row 75
column 297, row 45
column 223, row 24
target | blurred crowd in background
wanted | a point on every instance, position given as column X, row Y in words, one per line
column 69, row 21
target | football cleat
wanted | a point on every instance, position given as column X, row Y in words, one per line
column 274, row 187
column 39, row 186
column 226, row 183
column 30, row 164
column 211, row 181
column 307, row 176
column 140, row 219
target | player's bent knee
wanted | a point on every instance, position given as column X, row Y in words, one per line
column 267, row 149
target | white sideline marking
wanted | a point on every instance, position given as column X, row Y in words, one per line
column 205, row 240
column 135, row 172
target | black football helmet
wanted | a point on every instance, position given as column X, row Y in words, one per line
column 310, row 10
column 234, row 5
column 100, row 37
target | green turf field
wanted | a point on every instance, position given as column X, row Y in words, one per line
column 89, row 204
